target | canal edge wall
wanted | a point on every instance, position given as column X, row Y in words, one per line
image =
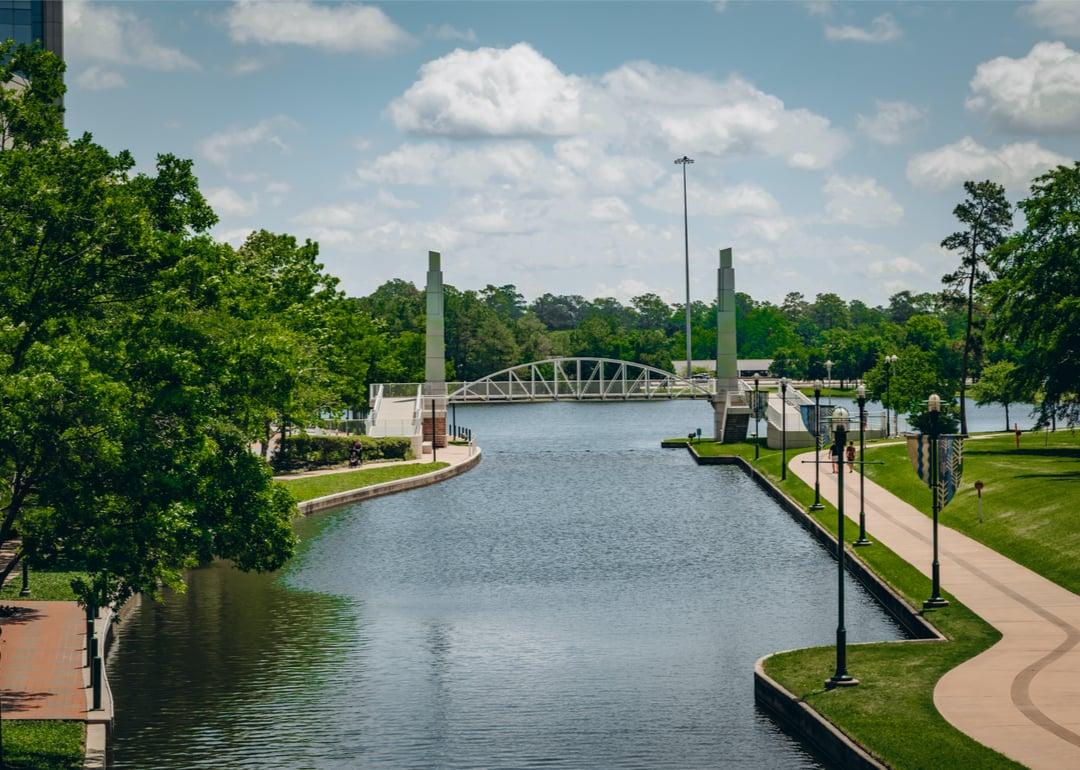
column 824, row 737
column 318, row 504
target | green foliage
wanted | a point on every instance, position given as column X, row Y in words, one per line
column 31, row 744
column 1037, row 296
column 31, row 93
column 331, row 483
column 304, row 450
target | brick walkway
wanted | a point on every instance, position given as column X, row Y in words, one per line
column 41, row 671
column 1022, row 696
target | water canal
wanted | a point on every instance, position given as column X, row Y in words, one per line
column 582, row 599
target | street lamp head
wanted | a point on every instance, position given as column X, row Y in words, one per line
column 839, row 419
column 934, row 402
column 757, row 379
column 818, row 385
column 891, row 359
column 828, row 364
column 861, row 391
column 684, row 160
column 783, row 383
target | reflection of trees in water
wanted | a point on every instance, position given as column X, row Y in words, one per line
column 240, row 660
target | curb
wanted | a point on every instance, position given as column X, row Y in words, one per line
column 309, row 507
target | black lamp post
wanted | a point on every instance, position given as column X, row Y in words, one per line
column 817, row 506
column 757, row 418
column 25, row 590
column 891, row 361
column 783, row 428
column 841, row 678
column 935, row 600
column 861, row 391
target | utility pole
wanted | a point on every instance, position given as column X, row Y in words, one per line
column 684, row 161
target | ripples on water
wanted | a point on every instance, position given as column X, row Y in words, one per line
column 581, row 599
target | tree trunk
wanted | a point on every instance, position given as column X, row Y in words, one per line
column 1007, row 423
column 967, row 336
column 266, row 439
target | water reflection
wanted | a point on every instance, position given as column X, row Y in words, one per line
column 581, row 599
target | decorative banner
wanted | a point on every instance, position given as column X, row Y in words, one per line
column 950, row 463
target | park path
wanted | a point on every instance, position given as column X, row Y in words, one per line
column 41, row 668
column 1022, row 696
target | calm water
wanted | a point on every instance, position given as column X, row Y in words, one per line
column 582, row 599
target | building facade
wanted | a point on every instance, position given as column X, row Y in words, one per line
column 27, row 21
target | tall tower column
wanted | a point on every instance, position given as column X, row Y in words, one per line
column 730, row 415
column 435, row 356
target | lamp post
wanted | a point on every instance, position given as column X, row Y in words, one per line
column 828, row 371
column 684, row 161
column 783, row 428
column 25, row 590
column 817, row 506
column 935, row 600
column 841, row 678
column 891, row 362
column 861, row 392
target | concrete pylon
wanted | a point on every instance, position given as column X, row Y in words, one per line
column 730, row 420
column 435, row 355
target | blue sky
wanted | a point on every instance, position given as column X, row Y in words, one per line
column 533, row 143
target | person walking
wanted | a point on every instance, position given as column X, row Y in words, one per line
column 836, row 454
column 850, row 454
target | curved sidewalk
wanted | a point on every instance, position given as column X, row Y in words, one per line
column 1022, row 696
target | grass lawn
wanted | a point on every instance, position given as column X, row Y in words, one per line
column 891, row 712
column 1029, row 502
column 809, row 391
column 43, row 745
column 44, row 586
column 330, row 483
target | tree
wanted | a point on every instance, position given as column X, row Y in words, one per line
column 987, row 216
column 1037, row 294
column 123, row 445
column 998, row 385
column 916, row 375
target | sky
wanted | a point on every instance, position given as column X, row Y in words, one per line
column 534, row 143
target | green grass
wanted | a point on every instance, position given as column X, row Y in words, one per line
column 330, row 483
column 891, row 712
column 43, row 745
column 44, row 586
column 1029, row 502
column 809, row 391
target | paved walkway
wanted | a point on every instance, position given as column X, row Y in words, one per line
column 1022, row 696
column 450, row 454
column 41, row 671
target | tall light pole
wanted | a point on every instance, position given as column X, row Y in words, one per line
column 783, row 428
column 935, row 600
column 684, row 161
column 891, row 362
column 862, row 467
column 817, row 506
column 841, row 678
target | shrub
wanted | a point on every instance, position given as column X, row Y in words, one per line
column 303, row 450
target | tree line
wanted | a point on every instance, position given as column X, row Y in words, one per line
column 144, row 365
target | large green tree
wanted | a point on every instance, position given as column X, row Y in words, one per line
column 1037, row 294
column 986, row 216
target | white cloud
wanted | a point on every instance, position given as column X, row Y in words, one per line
column 233, row 236
column 339, row 28
column 246, row 66
column 1013, row 165
column 118, row 36
column 628, row 288
column 819, row 7
column 220, row 148
column 96, row 78
column 744, row 199
column 860, row 201
column 277, row 192
column 609, row 209
column 1062, row 17
column 226, row 201
column 893, row 266
column 892, row 123
column 490, row 92
column 1040, row 92
column 450, row 32
column 516, row 92
column 883, row 29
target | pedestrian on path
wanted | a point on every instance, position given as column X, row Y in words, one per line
column 356, row 454
column 836, row 455
column 850, row 452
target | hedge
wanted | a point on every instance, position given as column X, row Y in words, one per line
column 304, row 450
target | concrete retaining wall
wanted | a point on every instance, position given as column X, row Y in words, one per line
column 387, row 488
